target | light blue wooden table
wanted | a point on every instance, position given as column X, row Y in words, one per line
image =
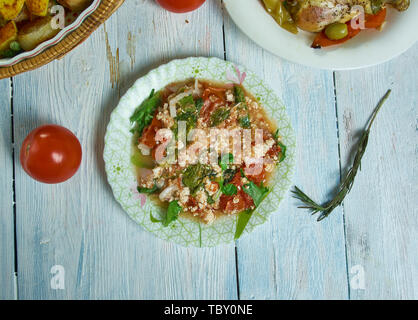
column 78, row 225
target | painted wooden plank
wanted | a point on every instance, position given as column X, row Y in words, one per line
column 381, row 210
column 7, row 282
column 78, row 224
column 292, row 256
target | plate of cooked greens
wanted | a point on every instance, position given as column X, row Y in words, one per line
column 329, row 34
column 199, row 152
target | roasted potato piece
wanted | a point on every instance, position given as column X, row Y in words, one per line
column 8, row 33
column 38, row 7
column 35, row 32
column 75, row 5
column 9, row 9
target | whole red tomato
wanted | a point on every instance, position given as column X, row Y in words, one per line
column 50, row 154
column 180, row 6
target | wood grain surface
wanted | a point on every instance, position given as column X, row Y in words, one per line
column 381, row 211
column 7, row 265
column 294, row 256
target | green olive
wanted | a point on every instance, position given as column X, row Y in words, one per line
column 336, row 31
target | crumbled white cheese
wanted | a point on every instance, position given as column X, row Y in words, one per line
column 268, row 144
column 184, row 195
column 201, row 198
column 216, row 168
column 261, row 149
column 165, row 134
column 160, row 183
column 145, row 150
column 209, row 217
column 165, row 118
column 157, row 171
column 255, row 105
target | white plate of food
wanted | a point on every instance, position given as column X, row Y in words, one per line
column 369, row 47
column 201, row 196
column 28, row 27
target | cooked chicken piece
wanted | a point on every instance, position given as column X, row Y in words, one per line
column 315, row 15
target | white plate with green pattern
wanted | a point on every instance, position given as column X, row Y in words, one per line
column 118, row 151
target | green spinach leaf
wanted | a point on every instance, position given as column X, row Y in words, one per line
column 186, row 101
column 245, row 122
column 282, row 154
column 276, row 135
column 219, row 116
column 190, row 117
column 173, row 212
column 229, row 189
column 258, row 193
column 199, row 104
column 242, row 222
column 194, row 175
column 239, row 94
column 225, row 160
column 210, row 200
column 154, row 220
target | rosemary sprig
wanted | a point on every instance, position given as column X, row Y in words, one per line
column 348, row 181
